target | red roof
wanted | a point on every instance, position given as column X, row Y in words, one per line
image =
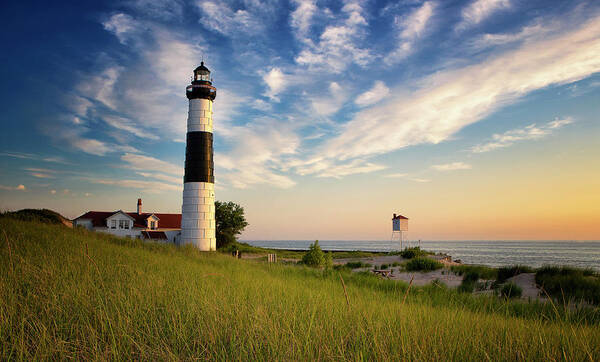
column 166, row 221
column 397, row 217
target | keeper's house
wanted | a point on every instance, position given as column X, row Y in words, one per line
column 141, row 225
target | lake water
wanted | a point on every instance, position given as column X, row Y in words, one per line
column 585, row 254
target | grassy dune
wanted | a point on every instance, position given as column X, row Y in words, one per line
column 74, row 294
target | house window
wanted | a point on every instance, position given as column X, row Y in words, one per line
column 123, row 224
column 113, row 224
column 152, row 225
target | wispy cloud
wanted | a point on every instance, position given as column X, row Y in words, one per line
column 327, row 104
column 373, row 95
column 531, row 132
column 147, row 186
column 36, row 157
column 13, row 188
column 407, row 177
column 338, row 45
column 218, row 16
column 148, row 163
column 410, row 28
column 275, row 80
column 452, row 99
column 479, row 10
column 453, row 166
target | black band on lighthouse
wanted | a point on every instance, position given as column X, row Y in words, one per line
column 199, row 165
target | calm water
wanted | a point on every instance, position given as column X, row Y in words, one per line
column 493, row 253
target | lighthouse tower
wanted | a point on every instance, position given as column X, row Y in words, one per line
column 198, row 210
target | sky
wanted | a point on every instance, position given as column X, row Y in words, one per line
column 477, row 119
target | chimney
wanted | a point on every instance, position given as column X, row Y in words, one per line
column 139, row 206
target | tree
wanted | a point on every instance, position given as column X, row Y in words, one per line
column 230, row 222
column 314, row 256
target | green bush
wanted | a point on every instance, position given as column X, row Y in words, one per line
column 410, row 253
column 423, row 264
column 511, row 290
column 569, row 282
column 507, row 272
column 484, row 272
column 357, row 264
column 384, row 266
column 314, row 256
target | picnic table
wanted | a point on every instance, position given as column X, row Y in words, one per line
column 383, row 272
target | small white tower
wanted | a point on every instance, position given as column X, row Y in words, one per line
column 399, row 226
column 198, row 210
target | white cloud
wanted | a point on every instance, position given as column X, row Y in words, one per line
column 147, row 186
column 15, row 188
column 147, row 163
column 162, row 177
column 221, row 18
column 31, row 156
column 454, row 166
column 373, row 95
column 480, row 10
column 261, row 105
column 91, row 146
column 129, row 126
column 351, row 168
column 407, row 177
column 411, row 28
column 330, row 103
column 275, row 80
column 338, row 45
column 300, row 18
column 258, row 154
column 536, row 31
column 531, row 132
column 452, row 99
column 122, row 25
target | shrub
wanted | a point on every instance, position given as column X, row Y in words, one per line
column 384, row 266
column 410, row 253
column 466, row 287
column 314, row 256
column 423, row 264
column 511, row 290
column 484, row 272
column 506, row 272
column 572, row 283
column 357, row 264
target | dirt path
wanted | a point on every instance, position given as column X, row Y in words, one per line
column 527, row 282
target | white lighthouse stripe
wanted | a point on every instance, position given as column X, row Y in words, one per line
column 198, row 186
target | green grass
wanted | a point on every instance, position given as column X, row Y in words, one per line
column 423, row 264
column 483, row 272
column 294, row 254
column 357, row 264
column 511, row 290
column 415, row 252
column 567, row 283
column 507, row 272
column 74, row 294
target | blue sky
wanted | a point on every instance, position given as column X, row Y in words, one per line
column 328, row 113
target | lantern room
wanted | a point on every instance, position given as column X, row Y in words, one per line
column 202, row 74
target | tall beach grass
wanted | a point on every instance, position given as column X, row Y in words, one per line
column 73, row 294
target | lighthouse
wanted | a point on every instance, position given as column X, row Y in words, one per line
column 198, row 209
